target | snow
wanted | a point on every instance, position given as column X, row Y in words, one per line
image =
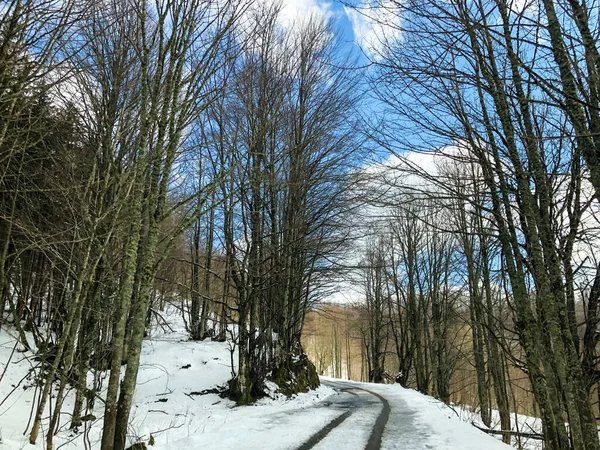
column 355, row 430
column 183, row 420
column 172, row 368
column 418, row 421
column 519, row 422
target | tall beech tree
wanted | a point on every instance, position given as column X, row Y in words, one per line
column 287, row 121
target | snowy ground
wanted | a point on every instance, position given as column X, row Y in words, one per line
column 173, row 368
column 519, row 423
column 164, row 405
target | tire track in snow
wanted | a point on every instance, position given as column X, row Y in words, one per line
column 320, row 435
column 377, row 433
column 374, row 442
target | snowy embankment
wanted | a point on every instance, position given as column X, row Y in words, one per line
column 171, row 411
column 528, row 427
column 168, row 402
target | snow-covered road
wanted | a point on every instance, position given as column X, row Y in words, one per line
column 361, row 423
column 376, row 417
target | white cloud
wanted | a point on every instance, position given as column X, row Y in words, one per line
column 292, row 15
column 293, row 11
column 374, row 25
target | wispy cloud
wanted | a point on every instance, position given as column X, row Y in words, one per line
column 374, row 25
column 293, row 11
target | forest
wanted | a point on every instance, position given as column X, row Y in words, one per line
column 441, row 176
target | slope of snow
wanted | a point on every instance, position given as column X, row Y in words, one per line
column 167, row 407
column 519, row 423
column 164, row 405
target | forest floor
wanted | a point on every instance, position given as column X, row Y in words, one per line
column 170, row 406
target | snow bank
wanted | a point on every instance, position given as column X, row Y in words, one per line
column 167, row 403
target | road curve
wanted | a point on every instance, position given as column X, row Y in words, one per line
column 350, row 400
